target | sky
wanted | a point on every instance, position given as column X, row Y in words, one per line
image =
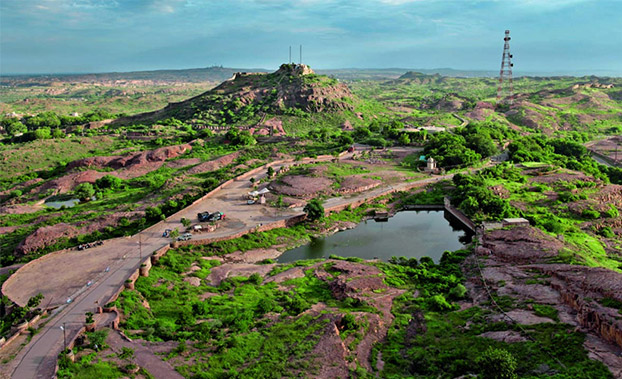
column 71, row 36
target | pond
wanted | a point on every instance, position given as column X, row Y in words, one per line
column 412, row 234
column 59, row 203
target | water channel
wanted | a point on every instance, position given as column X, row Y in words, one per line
column 412, row 234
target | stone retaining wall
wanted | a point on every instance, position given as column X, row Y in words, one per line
column 21, row 329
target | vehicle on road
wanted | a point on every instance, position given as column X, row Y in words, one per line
column 89, row 245
column 184, row 237
column 166, row 233
column 251, row 201
column 216, row 216
column 203, row 216
column 197, row 228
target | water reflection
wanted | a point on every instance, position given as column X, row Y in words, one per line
column 410, row 234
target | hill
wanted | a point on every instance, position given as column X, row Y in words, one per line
column 247, row 97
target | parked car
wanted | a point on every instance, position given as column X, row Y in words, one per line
column 204, row 216
column 166, row 233
column 197, row 228
column 251, row 202
column 184, row 237
column 216, row 216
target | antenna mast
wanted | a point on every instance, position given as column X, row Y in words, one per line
column 506, row 73
column 290, row 54
column 300, row 54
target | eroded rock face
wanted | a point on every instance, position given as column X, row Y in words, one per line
column 127, row 161
column 580, row 287
column 48, row 235
column 45, row 236
column 69, row 182
column 128, row 166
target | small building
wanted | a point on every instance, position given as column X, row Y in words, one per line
column 431, row 165
column 518, row 221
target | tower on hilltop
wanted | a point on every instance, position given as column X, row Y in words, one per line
column 505, row 91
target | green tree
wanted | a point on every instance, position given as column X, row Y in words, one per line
column 58, row 133
column 404, row 139
column 314, row 209
column 108, row 181
column 43, row 133
column 346, row 140
column 243, row 138
column 13, row 126
column 174, row 233
column 153, row 213
column 84, row 191
column 34, row 301
column 185, row 222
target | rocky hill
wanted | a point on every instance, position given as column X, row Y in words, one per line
column 246, row 97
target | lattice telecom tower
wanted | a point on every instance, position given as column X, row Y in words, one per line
column 505, row 91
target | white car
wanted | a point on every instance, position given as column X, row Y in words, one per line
column 184, row 237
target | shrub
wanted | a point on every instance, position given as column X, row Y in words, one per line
column 458, row 292
column 590, row 214
column 108, row 181
column 612, row 212
column 439, row 303
column 497, row 364
column 84, row 191
column 606, row 232
column 348, row 322
column 255, row 278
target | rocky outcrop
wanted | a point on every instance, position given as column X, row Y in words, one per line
column 69, row 182
column 522, row 245
column 301, row 186
column 46, row 236
column 49, row 235
column 581, row 288
column 131, row 160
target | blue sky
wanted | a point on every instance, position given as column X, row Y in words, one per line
column 45, row 36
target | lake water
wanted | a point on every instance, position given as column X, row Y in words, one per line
column 412, row 234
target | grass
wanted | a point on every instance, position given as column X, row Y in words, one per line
column 544, row 310
column 45, row 155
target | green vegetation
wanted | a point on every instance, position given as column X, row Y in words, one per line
column 430, row 336
column 13, row 315
column 314, row 210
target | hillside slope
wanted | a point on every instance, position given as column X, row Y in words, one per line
column 246, row 96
